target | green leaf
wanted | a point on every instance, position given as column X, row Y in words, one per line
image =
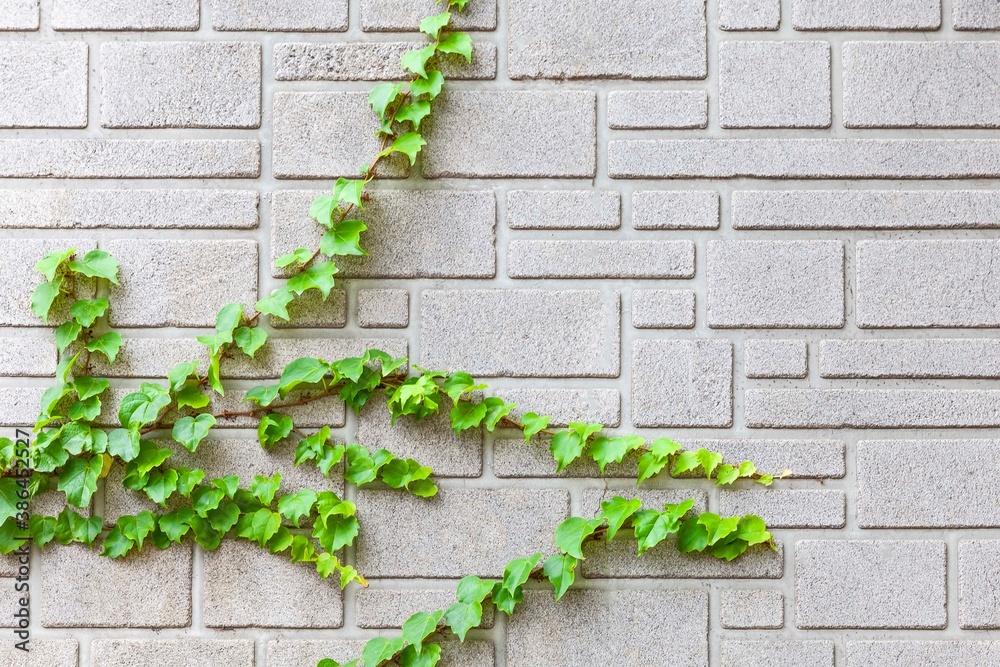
column 298, row 256
column 176, row 524
column 614, row 450
column 188, row 479
column 766, row 480
column 380, row 98
column 124, row 443
column 319, row 276
column 142, row 407
column 617, row 511
column 753, row 530
column 228, row 485
column 463, row 616
column 572, row 532
column 264, row 488
column 473, row 589
column 747, row 469
column 409, row 144
column 224, row 517
column 496, row 409
column 260, row 526
column 161, row 485
column 652, row 527
column 43, row 529
column 533, row 424
column 86, row 387
column 276, row 305
column 262, row 396
column 305, row 370
column 66, row 334
column 349, row 191
column 87, row 311
column 44, row 296
column 431, row 85
column 419, row 627
column 467, row 415
column 191, row 397
column 432, row 25
column 294, row 506
column 10, row 495
column 717, row 527
column 96, row 264
column 560, row 570
column 686, row 462
column 728, row 549
column 137, row 527
column 273, row 428
column 417, row 656
column 49, row 265
column 566, row 446
column 76, row 438
column 87, row 410
column 650, row 465
column 78, row 479
column 457, row 42
column 335, row 532
column 517, row 572
column 344, row 239
column 709, row 461
column 379, row 650
column 190, row 431
column 116, row 545
column 249, row 339
column 416, row 60
column 415, row 112
column 108, row 345
column 727, row 474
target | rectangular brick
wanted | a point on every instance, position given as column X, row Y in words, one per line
column 383, row 308
column 979, row 584
column 128, row 209
column 669, row 209
column 459, row 532
column 870, row 584
column 515, row 459
column 51, row 83
column 749, row 14
column 565, row 405
column 417, row 234
column 910, row 358
column 373, row 61
column 19, row 406
column 129, row 158
column 44, row 653
column 19, row 278
column 598, row 627
column 405, row 15
column 685, row 383
column 751, row 609
column 788, row 508
column 914, row 84
column 152, row 589
column 865, row 209
column 975, row 15
column 563, row 209
column 804, row 158
column 795, row 458
column 657, row 109
column 125, row 15
column 581, row 40
column 871, row 408
column 390, row 608
column 849, row 15
column 552, row 134
column 940, row 283
column 617, row 560
column 775, row 284
column 663, row 309
column 180, row 84
column 20, row 15
column 28, row 357
column 776, row 358
column 521, row 333
column 280, row 15
column 914, row 483
column 201, row 651
column 922, row 653
column 297, row 653
column 600, row 259
column 776, row 652
column 180, row 283
column 311, row 310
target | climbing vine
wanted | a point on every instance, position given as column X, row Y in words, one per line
column 73, row 449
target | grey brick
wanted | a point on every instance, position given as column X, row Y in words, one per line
column 243, row 581
column 975, row 15
column 430, row 441
column 600, row 259
column 152, row 589
column 459, row 532
column 180, row 84
column 870, row 584
column 405, row 15
column 327, row 135
column 389, row 608
column 373, row 61
column 415, row 234
column 19, row 278
column 916, row 483
column 128, row 209
column 296, row 653
column 850, row 15
column 617, row 560
column 515, row 458
column 607, row 627
column 46, row 84
column 779, row 284
column 280, row 15
column 566, row 405
column 657, row 109
column 921, row 84
column 125, row 15
column 787, row 508
column 29, row 357
column 389, row 308
column 927, row 283
column 10, row 603
column 563, row 209
column 760, row 609
column 19, row 406
column 804, row 158
column 979, row 584
column 545, row 134
column 129, row 158
column 578, row 40
column 521, row 333
column 910, row 358
column 682, row 383
column 921, row 653
column 749, row 14
column 871, row 408
column 775, row 652
column 796, row 458
column 669, row 209
column 663, row 309
column 202, row 651
column 776, row 358
column 44, row 653
column 310, row 310
column 20, row 15
column 774, row 84
column 180, row 283
column 865, row 209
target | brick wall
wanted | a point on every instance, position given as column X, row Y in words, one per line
column 763, row 226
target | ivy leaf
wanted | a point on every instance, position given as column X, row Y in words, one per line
column 344, row 239
column 249, row 339
column 262, row 396
column 49, row 265
column 142, row 407
column 572, row 532
column 224, row 517
column 753, row 530
column 419, row 627
column 560, row 570
column 96, row 264
column 650, row 465
column 716, row 526
column 176, row 524
column 264, row 488
column 686, row 462
column 228, row 485
column 87, row 410
column 463, row 616
column 87, row 311
column 496, row 409
column 566, row 446
column 380, row 98
column 305, row 370
column 78, row 479
column 409, row 144
column 191, row 397
column 614, row 450
column 518, row 571
column 318, row 276
column 188, row 479
column 747, row 469
column 652, row 527
column 43, row 529
column 473, row 589
column 467, row 415
column 161, row 485
column 349, row 191
column 617, row 511
column 108, row 345
column 417, row 655
column 430, row 85
column 150, row 456
column 116, row 545
column 415, row 112
column 294, row 506
column 44, row 296
column 380, row 649
column 259, row 526
column 432, row 25
column 457, row 42
column 190, row 431
column 298, row 256
column 124, row 443
column 335, row 532
column 709, row 461
column 137, row 527
column 86, row 387
column 276, row 305
column 727, row 474
column 416, row 60
column 533, row 424
column 66, row 334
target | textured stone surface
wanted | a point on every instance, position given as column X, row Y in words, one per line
column 388, row 308
column 311, row 310
column 280, row 15
column 51, row 84
column 663, row 309
column 851, row 15
column 933, row 483
column 180, row 84
column 798, row 284
column 565, row 333
column 19, row 278
column 542, row 134
column 30, row 357
column 870, row 584
column 595, row 627
column 575, row 40
column 389, row 608
column 459, row 532
column 405, row 15
column 202, row 652
column 749, row 14
column 751, row 609
column 372, row 61
column 600, row 259
column 772, row 653
column 979, row 584
column 682, row 383
column 774, row 84
column 296, row 653
column 637, row 110
column 125, row 15
column 775, row 358
column 975, row 15
column 659, row 209
column 910, row 358
column 794, row 458
column 927, row 283
column 20, row 15
column 566, row 405
column 782, row 508
column 563, row 209
column 920, row 653
column 43, row 653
